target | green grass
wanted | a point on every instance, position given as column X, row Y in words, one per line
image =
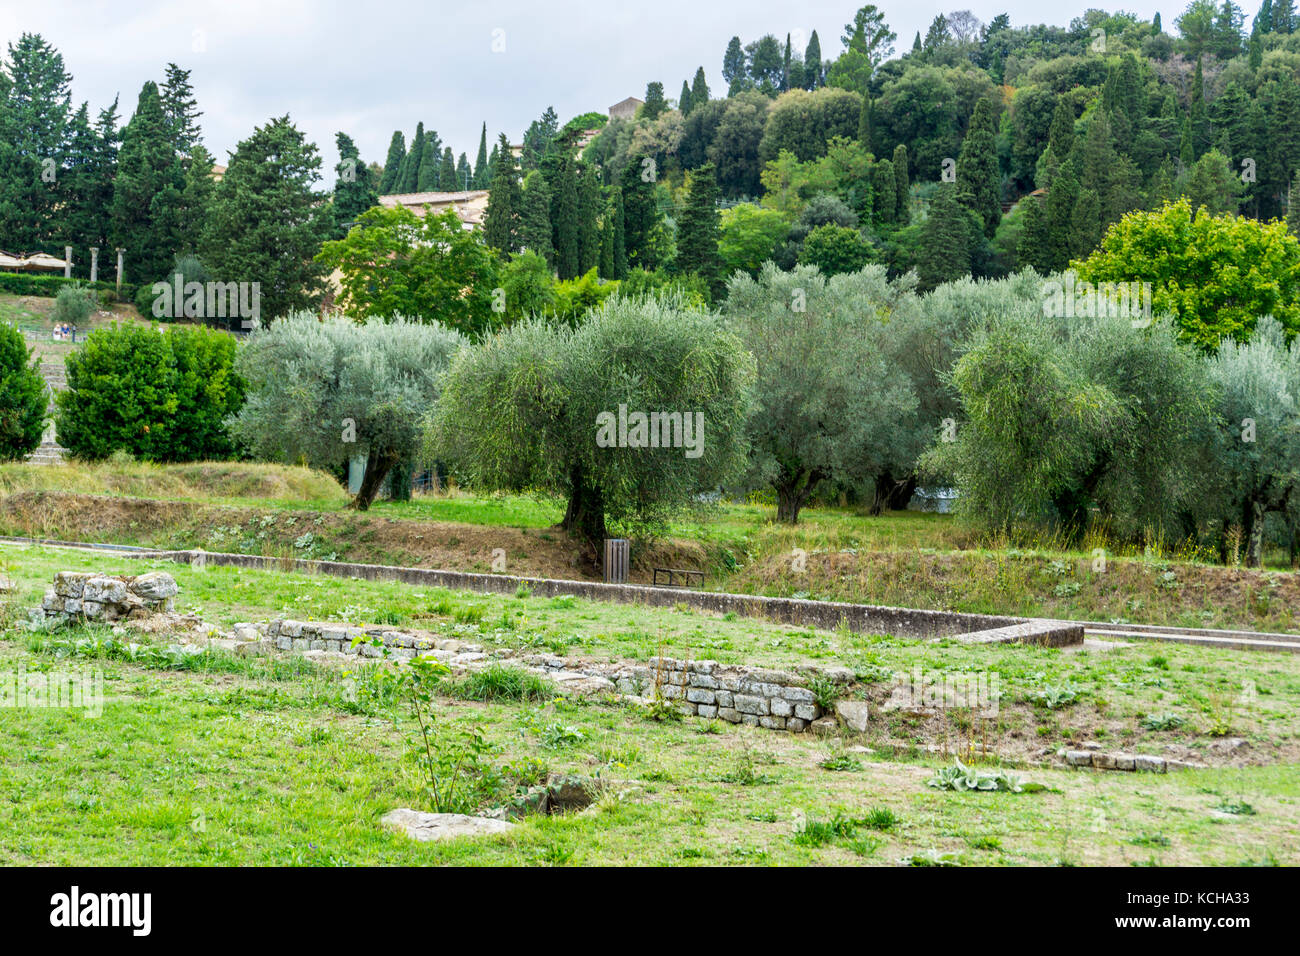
column 228, row 760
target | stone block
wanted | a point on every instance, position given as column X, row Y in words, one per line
column 1124, row 762
column 724, row 698
column 698, row 695
column 104, row 590
column 1148, row 763
column 1103, row 761
column 729, row 714
column 748, row 704
column 781, row 707
column 809, row 712
column 798, row 695
column 854, row 714
column 1079, row 758
column 796, row 725
column 155, row 586
column 772, row 723
column 707, row 710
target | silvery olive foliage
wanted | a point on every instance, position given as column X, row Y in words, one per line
column 321, row 392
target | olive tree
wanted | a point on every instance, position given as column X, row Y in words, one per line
column 1258, row 431
column 1063, row 415
column 321, row 392
column 628, row 415
column 829, row 403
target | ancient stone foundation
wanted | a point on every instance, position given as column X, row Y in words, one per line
column 89, row 595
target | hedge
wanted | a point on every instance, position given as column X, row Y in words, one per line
column 22, row 283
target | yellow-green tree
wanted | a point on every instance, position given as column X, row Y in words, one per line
column 1216, row 275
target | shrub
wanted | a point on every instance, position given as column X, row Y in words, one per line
column 74, row 303
column 23, row 399
column 160, row 397
column 21, row 283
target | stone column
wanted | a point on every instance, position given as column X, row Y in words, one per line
column 120, row 253
column 67, row 262
column 94, row 263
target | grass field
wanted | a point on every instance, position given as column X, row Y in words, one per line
column 233, row 760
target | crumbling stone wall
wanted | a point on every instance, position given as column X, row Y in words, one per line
column 90, row 595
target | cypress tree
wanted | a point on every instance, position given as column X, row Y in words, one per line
column 393, row 164
column 1060, row 135
column 699, row 89
column 864, row 123
column 1155, row 24
column 655, row 103
column 1085, row 224
column 979, row 183
column 697, row 230
column 902, row 187
column 197, row 197
column 501, row 220
column 1293, row 207
column 535, row 218
column 589, row 202
column 464, row 175
column 812, row 62
column 945, row 239
column 684, row 99
column 410, row 181
column 883, row 185
column 564, row 218
column 618, row 236
column 426, row 177
column 640, row 215
column 481, row 161
column 447, row 174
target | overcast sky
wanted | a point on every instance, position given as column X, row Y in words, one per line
column 370, row 68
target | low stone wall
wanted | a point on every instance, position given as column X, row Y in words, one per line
column 827, row 615
column 89, row 595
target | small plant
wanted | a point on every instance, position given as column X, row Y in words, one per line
column 522, row 592
column 556, row 735
column 824, row 692
column 840, row 762
column 470, row 614
column 1164, row 721
column 1150, row 840
column 961, row 777
column 1054, row 698
column 881, row 818
column 932, row 858
column 1237, row 808
column 985, row 843
column 820, row 832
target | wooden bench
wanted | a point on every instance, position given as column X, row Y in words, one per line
column 688, row 579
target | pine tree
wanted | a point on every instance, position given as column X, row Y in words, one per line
column 535, row 218
column 35, row 116
column 501, row 220
column 393, row 164
column 902, row 188
column 734, row 70
column 147, row 191
column 699, row 89
column 181, row 109
column 354, row 188
column 271, row 182
column 1293, row 207
column 481, row 161
column 697, row 229
column 812, row 62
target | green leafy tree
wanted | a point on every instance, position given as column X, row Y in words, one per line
column 267, row 222
column 835, row 250
column 655, row 104
column 23, row 398
column 1191, row 261
column 158, row 397
column 699, row 89
column 34, row 117
column 748, row 236
column 427, row 267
